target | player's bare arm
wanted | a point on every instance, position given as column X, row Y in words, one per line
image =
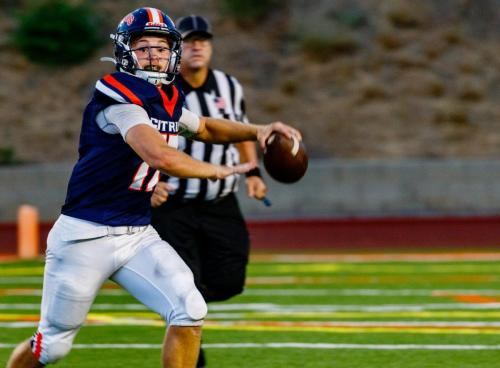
column 226, row 131
column 152, row 148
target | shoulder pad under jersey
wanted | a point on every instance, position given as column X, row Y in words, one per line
column 126, row 88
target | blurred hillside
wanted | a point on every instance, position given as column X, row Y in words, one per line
column 361, row 78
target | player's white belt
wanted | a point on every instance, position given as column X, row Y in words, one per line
column 122, row 230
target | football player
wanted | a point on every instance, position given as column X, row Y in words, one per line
column 129, row 134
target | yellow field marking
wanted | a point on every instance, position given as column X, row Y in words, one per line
column 445, row 315
column 477, row 315
column 346, row 329
column 288, row 326
column 376, row 257
column 7, row 317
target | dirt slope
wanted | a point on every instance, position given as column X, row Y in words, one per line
column 396, row 79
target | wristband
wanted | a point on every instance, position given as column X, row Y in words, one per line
column 254, row 172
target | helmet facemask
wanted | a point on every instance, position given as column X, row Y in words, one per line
column 127, row 59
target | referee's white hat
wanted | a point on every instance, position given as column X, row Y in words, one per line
column 194, row 25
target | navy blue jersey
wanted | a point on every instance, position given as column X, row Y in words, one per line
column 110, row 184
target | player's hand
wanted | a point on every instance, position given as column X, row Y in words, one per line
column 256, row 188
column 265, row 132
column 160, row 194
column 224, row 171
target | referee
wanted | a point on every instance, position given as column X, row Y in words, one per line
column 201, row 219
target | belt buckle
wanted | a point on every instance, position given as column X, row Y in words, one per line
column 135, row 229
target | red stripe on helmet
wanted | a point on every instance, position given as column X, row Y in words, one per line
column 120, row 87
column 169, row 104
column 150, row 14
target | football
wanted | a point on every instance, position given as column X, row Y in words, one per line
column 285, row 159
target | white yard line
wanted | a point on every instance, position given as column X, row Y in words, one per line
column 289, row 345
column 307, row 308
column 18, row 324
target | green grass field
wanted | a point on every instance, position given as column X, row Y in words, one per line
column 299, row 310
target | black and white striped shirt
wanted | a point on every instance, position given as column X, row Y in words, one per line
column 221, row 96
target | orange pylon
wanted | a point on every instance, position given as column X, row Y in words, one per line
column 28, row 232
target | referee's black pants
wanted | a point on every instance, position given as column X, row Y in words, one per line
column 212, row 238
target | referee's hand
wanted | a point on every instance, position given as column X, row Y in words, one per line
column 160, row 194
column 256, row 188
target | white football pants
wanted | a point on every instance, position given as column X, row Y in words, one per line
column 79, row 260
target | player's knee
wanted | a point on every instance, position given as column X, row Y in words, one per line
column 190, row 307
column 195, row 305
column 191, row 310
